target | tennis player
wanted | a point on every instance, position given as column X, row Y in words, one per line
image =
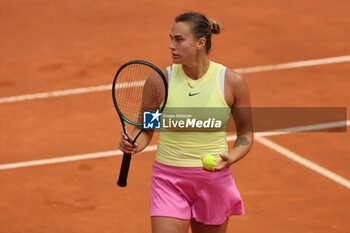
column 183, row 194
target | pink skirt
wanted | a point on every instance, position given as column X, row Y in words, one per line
column 193, row 193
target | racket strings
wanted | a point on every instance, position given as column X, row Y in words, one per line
column 138, row 88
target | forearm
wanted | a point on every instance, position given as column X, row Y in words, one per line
column 241, row 147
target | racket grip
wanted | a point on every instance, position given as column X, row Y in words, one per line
column 124, row 170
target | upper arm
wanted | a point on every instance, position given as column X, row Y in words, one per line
column 165, row 72
column 154, row 91
column 152, row 97
column 239, row 97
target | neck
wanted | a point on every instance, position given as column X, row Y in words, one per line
column 197, row 67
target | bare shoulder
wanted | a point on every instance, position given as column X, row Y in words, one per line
column 236, row 82
column 154, row 77
column 234, row 78
column 165, row 72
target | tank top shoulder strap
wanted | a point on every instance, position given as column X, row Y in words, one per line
column 169, row 70
column 222, row 80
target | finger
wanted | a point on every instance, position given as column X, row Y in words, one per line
column 223, row 157
column 128, row 146
column 134, row 148
column 127, row 137
column 222, row 163
column 124, row 149
column 125, row 146
column 123, row 135
column 219, row 167
column 124, row 143
column 208, row 169
column 130, row 138
column 129, row 149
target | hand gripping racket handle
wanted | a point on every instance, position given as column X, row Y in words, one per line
column 124, row 170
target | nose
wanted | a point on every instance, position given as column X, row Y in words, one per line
column 172, row 46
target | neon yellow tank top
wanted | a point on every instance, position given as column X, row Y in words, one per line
column 203, row 100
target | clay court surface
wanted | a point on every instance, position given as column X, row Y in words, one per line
column 49, row 46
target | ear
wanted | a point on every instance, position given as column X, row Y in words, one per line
column 201, row 43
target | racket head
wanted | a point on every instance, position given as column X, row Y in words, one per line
column 138, row 86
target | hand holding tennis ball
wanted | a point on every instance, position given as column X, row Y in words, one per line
column 209, row 162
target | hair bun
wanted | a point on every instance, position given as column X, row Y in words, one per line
column 214, row 26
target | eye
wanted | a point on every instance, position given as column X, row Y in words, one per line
column 176, row 38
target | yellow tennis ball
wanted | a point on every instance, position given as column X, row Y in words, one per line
column 209, row 161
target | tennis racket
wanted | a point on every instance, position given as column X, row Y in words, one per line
column 138, row 87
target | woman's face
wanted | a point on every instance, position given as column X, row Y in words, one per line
column 183, row 45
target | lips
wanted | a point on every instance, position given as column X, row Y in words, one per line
column 174, row 55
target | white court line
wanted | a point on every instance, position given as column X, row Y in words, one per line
column 149, row 148
column 108, row 86
column 306, row 128
column 44, row 95
column 297, row 64
column 60, row 159
column 67, row 159
column 307, row 163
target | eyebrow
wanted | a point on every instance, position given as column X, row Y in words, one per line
column 175, row 35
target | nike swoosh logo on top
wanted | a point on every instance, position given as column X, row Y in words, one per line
column 192, row 94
